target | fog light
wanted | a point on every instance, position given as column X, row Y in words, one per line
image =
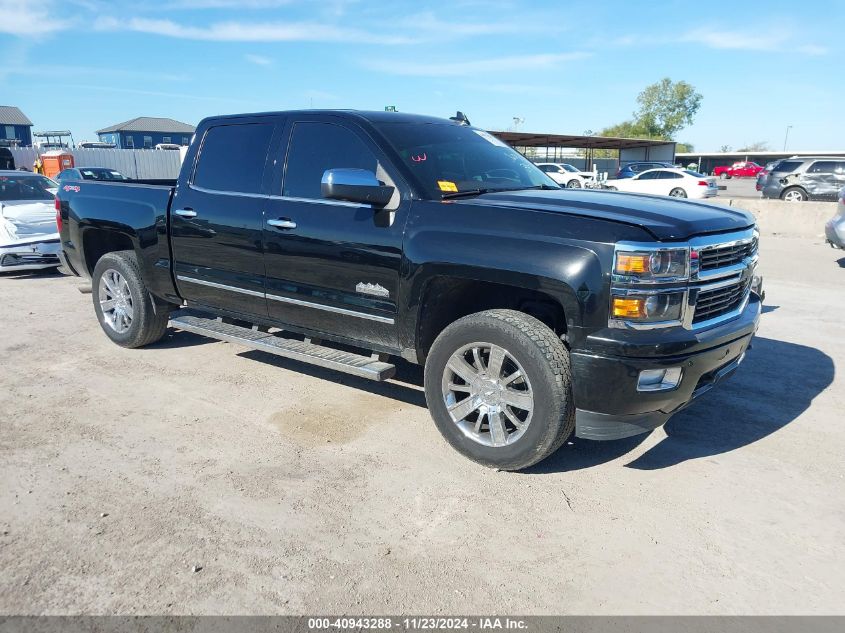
column 659, row 379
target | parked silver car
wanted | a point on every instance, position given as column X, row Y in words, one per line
column 834, row 230
column 805, row 178
column 29, row 237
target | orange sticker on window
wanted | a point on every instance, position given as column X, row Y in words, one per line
column 447, row 185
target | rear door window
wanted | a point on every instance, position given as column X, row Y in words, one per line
column 232, row 158
column 822, row 167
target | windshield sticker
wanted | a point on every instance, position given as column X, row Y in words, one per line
column 447, row 185
column 419, row 158
column 490, row 138
column 74, row 188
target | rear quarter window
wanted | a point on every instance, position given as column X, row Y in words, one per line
column 786, row 166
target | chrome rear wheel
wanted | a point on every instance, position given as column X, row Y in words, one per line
column 116, row 301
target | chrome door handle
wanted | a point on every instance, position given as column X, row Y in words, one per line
column 186, row 213
column 283, row 223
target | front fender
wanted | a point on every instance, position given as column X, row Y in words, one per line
column 568, row 270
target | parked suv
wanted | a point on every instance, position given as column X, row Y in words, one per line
column 632, row 169
column 805, row 178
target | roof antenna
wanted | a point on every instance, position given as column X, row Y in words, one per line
column 460, row 118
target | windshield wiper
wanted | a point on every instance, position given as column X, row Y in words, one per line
column 477, row 192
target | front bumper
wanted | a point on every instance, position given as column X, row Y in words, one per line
column 608, row 404
column 29, row 255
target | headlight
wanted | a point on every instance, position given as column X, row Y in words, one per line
column 653, row 265
column 648, row 307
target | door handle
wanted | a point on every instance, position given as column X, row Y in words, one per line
column 282, row 223
column 186, row 213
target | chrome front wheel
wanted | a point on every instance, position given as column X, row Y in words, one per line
column 487, row 394
column 116, row 301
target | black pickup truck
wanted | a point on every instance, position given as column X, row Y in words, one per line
column 346, row 238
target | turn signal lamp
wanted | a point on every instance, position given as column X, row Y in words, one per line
column 632, row 263
column 629, row 308
column 653, row 265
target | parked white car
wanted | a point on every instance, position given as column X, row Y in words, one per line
column 566, row 175
column 29, row 239
column 678, row 183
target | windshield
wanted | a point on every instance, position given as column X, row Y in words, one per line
column 26, row 188
column 695, row 174
column 569, row 167
column 447, row 159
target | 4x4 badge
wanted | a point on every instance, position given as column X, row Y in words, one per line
column 372, row 289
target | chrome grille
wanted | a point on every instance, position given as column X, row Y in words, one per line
column 720, row 301
column 721, row 256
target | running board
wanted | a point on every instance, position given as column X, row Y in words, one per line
column 356, row 364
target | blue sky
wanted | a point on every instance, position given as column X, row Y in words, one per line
column 561, row 66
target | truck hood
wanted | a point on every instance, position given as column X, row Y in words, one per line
column 665, row 218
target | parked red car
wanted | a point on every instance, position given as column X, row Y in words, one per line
column 742, row 169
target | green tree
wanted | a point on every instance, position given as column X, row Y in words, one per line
column 667, row 107
column 684, row 147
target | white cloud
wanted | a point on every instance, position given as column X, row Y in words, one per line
column 428, row 23
column 233, row 31
column 525, row 63
column 775, row 40
column 28, row 19
column 812, row 49
column 228, row 4
column 258, row 60
column 738, row 40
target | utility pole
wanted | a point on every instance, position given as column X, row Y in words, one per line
column 786, row 137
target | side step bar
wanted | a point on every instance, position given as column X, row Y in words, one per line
column 364, row 366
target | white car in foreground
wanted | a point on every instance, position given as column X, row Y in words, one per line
column 28, row 235
column 678, row 183
column 566, row 175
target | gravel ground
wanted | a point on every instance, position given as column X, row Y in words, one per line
column 194, row 477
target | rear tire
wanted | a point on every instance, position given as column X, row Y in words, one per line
column 484, row 412
column 794, row 194
column 123, row 304
column 677, row 192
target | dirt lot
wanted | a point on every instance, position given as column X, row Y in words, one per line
column 291, row 489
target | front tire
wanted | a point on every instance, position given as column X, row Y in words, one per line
column 573, row 184
column 499, row 388
column 123, row 304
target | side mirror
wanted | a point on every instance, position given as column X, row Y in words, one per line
column 355, row 185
